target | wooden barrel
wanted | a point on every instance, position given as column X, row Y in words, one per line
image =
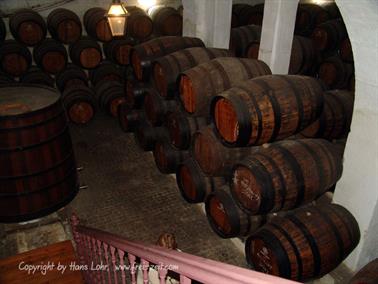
column 249, row 15
column 15, row 58
column 167, row 21
column 71, row 76
column 166, row 69
column 129, row 119
column 307, row 243
column 285, row 175
column 226, row 218
column 266, row 109
column 118, row 50
column 335, row 73
column 139, row 24
column 199, row 84
column 308, row 17
column 147, row 135
column 3, row 31
column 193, row 184
column 96, row 24
column 37, row 76
column 167, row 158
column 64, row 25
column 105, row 71
column 241, row 37
column 212, row 156
column 346, row 52
column 181, row 128
column 50, row 56
column 328, row 36
column 156, row 108
column 27, row 27
column 109, row 95
column 135, row 93
column 335, row 120
column 367, row 274
column 85, row 53
column 142, row 55
column 35, row 142
column 80, row 104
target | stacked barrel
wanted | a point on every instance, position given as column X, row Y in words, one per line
column 80, row 58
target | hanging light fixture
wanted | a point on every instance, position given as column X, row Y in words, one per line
column 117, row 18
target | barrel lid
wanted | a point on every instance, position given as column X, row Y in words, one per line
column 21, row 99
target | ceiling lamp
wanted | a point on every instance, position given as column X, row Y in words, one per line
column 117, row 18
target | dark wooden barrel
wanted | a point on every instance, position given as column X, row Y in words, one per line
column 135, row 92
column 139, row 24
column 50, row 56
column 328, row 36
column 285, row 175
column 96, row 24
column 85, row 53
column 109, row 95
column 241, row 37
column 80, row 104
column 3, row 31
column 36, row 145
column 27, row 27
column 129, row 119
column 346, row 52
column 118, row 50
column 308, row 17
column 156, row 108
column 37, row 76
column 181, row 128
column 147, row 135
column 167, row 21
column 307, row 243
column 335, row 120
column 248, row 15
column 367, row 274
column 142, row 55
column 167, row 158
column 15, row 58
column 266, row 109
column 71, row 76
column 105, row 71
column 64, row 25
column 193, row 184
column 199, row 84
column 212, row 156
column 226, row 218
column 166, row 69
column 335, row 73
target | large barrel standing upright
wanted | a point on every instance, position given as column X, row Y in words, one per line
column 35, row 144
column 305, row 244
column 335, row 120
column 167, row 21
column 27, row 27
column 142, row 55
column 64, row 25
column 118, row 50
column 96, row 24
column 139, row 24
column 15, row 58
column 285, row 175
column 266, row 109
column 199, row 84
column 50, row 56
column 85, row 53
column 167, row 68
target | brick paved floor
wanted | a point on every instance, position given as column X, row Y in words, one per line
column 127, row 195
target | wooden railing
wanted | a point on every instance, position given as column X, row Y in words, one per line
column 107, row 258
